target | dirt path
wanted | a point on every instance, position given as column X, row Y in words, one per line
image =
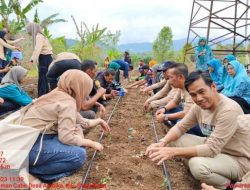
column 122, row 164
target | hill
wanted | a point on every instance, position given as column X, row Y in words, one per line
column 137, row 47
column 147, row 46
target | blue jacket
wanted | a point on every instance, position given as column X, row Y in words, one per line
column 226, row 78
column 13, row 93
column 239, row 84
column 124, row 66
column 202, row 60
column 216, row 75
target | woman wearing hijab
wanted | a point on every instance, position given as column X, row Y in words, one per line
column 239, row 88
column 203, row 54
column 64, row 146
column 4, row 46
column 42, row 53
column 215, row 71
column 115, row 66
column 11, row 91
column 225, row 76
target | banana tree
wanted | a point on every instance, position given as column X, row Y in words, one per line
column 93, row 36
column 14, row 6
column 50, row 20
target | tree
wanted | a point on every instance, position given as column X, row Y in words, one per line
column 187, row 50
column 14, row 6
column 92, row 40
column 59, row 45
column 51, row 20
column 47, row 22
column 163, row 45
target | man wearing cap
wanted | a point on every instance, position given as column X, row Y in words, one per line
column 166, row 94
column 146, row 79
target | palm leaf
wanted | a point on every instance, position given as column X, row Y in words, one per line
column 86, row 27
column 36, row 17
column 4, row 10
column 31, row 5
column 50, row 20
column 15, row 5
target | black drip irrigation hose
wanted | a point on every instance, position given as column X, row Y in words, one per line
column 164, row 166
column 93, row 156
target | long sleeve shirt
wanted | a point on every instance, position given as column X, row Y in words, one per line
column 42, row 47
column 228, row 132
column 62, row 111
column 124, row 66
column 158, row 84
column 183, row 99
column 13, row 93
column 6, row 45
column 163, row 92
column 242, row 90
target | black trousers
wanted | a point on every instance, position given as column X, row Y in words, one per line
column 3, row 64
column 243, row 104
column 117, row 76
column 8, row 106
column 59, row 68
column 43, row 65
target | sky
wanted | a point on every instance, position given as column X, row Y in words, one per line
column 138, row 20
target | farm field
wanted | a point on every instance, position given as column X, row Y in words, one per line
column 122, row 164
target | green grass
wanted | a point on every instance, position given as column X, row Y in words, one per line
column 33, row 72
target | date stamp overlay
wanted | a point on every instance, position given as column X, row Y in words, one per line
column 13, row 176
column 16, row 175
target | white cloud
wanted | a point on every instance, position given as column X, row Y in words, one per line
column 138, row 20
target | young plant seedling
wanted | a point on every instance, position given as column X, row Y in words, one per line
column 165, row 183
column 105, row 180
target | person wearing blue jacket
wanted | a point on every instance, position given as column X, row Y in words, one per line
column 203, row 54
column 10, row 88
column 239, row 89
column 215, row 69
column 226, row 78
column 125, row 67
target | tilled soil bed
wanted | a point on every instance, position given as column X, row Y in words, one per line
column 122, row 164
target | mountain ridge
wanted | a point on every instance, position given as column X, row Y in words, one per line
column 143, row 47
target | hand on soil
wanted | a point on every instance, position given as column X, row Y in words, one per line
column 151, row 148
column 105, row 126
column 162, row 153
column 97, row 146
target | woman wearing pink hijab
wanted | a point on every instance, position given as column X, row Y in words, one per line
column 63, row 146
